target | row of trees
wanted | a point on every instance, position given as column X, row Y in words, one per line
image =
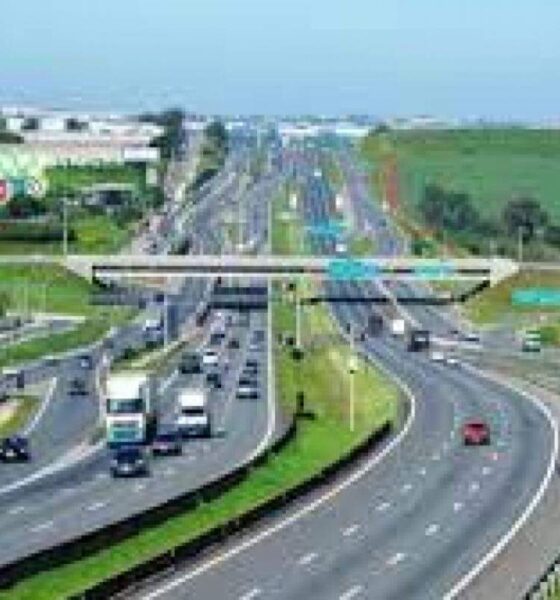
column 455, row 213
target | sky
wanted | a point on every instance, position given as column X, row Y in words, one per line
column 493, row 59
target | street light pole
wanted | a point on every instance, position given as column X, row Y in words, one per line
column 298, row 319
column 520, row 244
column 64, row 227
column 165, row 321
column 351, row 371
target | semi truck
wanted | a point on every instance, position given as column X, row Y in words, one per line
column 398, row 327
column 130, row 409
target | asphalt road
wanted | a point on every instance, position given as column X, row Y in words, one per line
column 410, row 525
column 80, row 496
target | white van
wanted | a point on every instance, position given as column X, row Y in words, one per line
column 193, row 417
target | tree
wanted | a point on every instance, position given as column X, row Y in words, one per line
column 524, row 214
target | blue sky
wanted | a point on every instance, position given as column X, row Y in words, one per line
column 489, row 58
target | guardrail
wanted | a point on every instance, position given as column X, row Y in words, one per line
column 109, row 535
column 548, row 586
column 181, row 554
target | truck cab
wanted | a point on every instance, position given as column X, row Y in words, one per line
column 130, row 409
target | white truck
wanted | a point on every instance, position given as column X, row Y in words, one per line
column 193, row 416
column 130, row 409
column 398, row 327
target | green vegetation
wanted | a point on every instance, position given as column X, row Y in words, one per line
column 52, row 289
column 24, row 407
column 172, row 122
column 478, row 175
column 361, row 246
column 323, row 376
column 212, row 154
column 494, row 306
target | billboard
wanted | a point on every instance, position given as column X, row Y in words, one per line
column 21, row 174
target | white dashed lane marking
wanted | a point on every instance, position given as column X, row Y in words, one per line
column 474, row 487
column 352, row 592
column 307, row 559
column 486, row 470
column 96, row 506
column 432, row 529
column 251, row 594
column 42, row 527
column 406, row 488
column 351, row 530
column 396, row 559
column 384, row 506
column 16, row 510
column 457, row 506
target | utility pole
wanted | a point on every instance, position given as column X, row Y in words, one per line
column 351, row 371
column 165, row 321
column 298, row 319
column 520, row 244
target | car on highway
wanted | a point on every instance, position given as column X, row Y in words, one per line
column 247, row 389
column 15, row 448
column 77, row 387
column 233, row 344
column 475, row 433
column 452, row 360
column 167, row 442
column 210, row 358
column 214, row 378
column 85, row 361
column 190, row 364
column 130, row 461
column 437, row 356
column 470, row 336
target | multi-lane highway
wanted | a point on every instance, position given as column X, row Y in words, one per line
column 42, row 506
column 419, row 519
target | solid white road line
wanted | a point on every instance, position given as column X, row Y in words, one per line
column 329, row 496
column 462, row 584
column 42, row 409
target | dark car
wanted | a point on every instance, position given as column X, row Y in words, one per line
column 190, row 364
column 77, row 387
column 247, row 389
column 129, row 461
column 217, row 338
column 476, row 433
column 85, row 361
column 214, row 377
column 14, row 449
column 233, row 344
column 167, row 443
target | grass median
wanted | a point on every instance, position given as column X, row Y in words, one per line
column 16, row 412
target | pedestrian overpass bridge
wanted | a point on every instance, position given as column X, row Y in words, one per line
column 91, row 267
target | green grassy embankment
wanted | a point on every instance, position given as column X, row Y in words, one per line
column 52, row 289
column 20, row 409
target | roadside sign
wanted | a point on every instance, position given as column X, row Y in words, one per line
column 536, row 297
column 347, row 269
column 433, row 271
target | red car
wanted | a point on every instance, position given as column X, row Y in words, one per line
column 476, row 433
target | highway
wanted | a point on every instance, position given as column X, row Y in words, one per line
column 415, row 521
column 37, row 512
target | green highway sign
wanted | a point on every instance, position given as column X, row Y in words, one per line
column 536, row 297
column 348, row 269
